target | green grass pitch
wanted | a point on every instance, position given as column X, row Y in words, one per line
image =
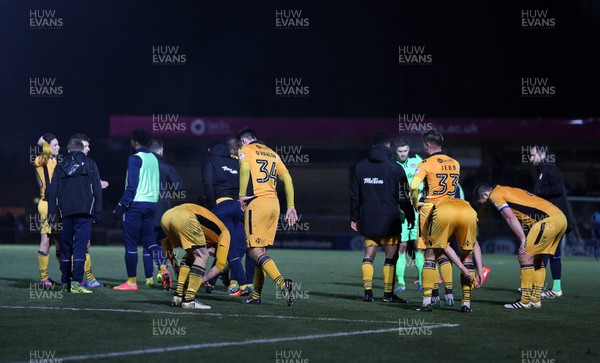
column 328, row 323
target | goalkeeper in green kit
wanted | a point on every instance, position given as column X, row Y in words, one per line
column 400, row 150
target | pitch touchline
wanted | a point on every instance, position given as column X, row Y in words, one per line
column 166, row 312
column 240, row 343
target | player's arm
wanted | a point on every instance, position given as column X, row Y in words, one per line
column 290, row 215
column 516, row 227
column 167, row 246
column 133, row 179
column 478, row 256
column 244, row 179
column 208, row 177
column 354, row 199
column 403, row 196
column 414, row 187
column 454, row 258
column 551, row 185
column 222, row 250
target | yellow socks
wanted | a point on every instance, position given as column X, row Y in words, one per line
column 184, row 273
column 43, row 265
column 430, row 276
column 446, row 272
column 259, row 280
column 269, row 267
column 527, row 276
column 388, row 275
column 196, row 275
column 87, row 267
column 367, row 273
column 467, row 285
column 539, row 276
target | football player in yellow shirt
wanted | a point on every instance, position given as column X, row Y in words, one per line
column 44, row 166
column 260, row 168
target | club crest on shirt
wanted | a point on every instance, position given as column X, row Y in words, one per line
column 241, row 156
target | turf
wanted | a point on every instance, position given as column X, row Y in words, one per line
column 67, row 325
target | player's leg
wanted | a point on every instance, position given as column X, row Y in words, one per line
column 227, row 212
column 420, row 260
column 43, row 256
column 154, row 248
column 391, row 255
column 371, row 246
column 66, row 242
column 430, row 276
column 197, row 271
column 184, row 272
column 446, row 272
column 82, row 230
column 556, row 270
column 401, row 264
column 148, row 266
column 132, row 233
column 90, row 280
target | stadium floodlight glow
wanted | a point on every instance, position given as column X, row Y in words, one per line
column 576, row 122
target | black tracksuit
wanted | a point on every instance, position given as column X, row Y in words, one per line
column 378, row 190
column 550, row 185
column 76, row 194
column 220, row 175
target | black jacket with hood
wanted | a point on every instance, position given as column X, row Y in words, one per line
column 221, row 175
column 75, row 188
column 550, row 185
column 378, row 190
column 170, row 186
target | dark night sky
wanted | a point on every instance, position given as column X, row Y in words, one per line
column 348, row 55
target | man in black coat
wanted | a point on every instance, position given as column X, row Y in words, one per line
column 222, row 185
column 379, row 202
column 550, row 185
column 76, row 195
column 171, row 190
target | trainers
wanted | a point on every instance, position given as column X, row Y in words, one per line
column 536, row 305
column 76, row 288
column 194, row 305
column 287, row 291
column 391, row 298
column 126, row 286
column 159, row 277
column 233, row 288
column 486, row 272
column 94, row 284
column 66, row 288
column 149, row 281
column 449, row 302
column 167, row 283
column 368, row 297
column 176, row 300
column 435, row 302
column 425, row 308
column 517, row 305
column 251, row 301
column 551, row 294
column 465, row 309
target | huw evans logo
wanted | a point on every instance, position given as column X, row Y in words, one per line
column 537, row 87
column 292, row 155
column 42, row 87
column 414, row 328
column 291, row 20
column 413, row 123
column 167, row 123
column 168, row 55
column 291, row 87
column 43, row 356
column 536, row 356
column 413, row 55
column 44, row 19
column 537, row 20
column 167, row 328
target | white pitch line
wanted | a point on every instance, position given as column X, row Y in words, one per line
column 166, row 312
column 240, row 343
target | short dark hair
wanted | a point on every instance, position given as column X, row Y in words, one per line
column 82, row 137
column 155, row 144
column 141, row 136
column 480, row 189
column 214, row 142
column 433, row 136
column 382, row 138
column 75, row 145
column 398, row 142
column 247, row 132
column 232, row 141
column 48, row 137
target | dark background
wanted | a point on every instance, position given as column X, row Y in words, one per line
column 348, row 55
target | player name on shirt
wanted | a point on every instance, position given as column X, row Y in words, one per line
column 267, row 154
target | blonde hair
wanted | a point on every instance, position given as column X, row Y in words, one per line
column 46, row 154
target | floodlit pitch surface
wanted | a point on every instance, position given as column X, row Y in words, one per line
column 328, row 323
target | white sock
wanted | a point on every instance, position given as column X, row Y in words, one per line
column 426, row 301
column 449, row 297
column 467, row 304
